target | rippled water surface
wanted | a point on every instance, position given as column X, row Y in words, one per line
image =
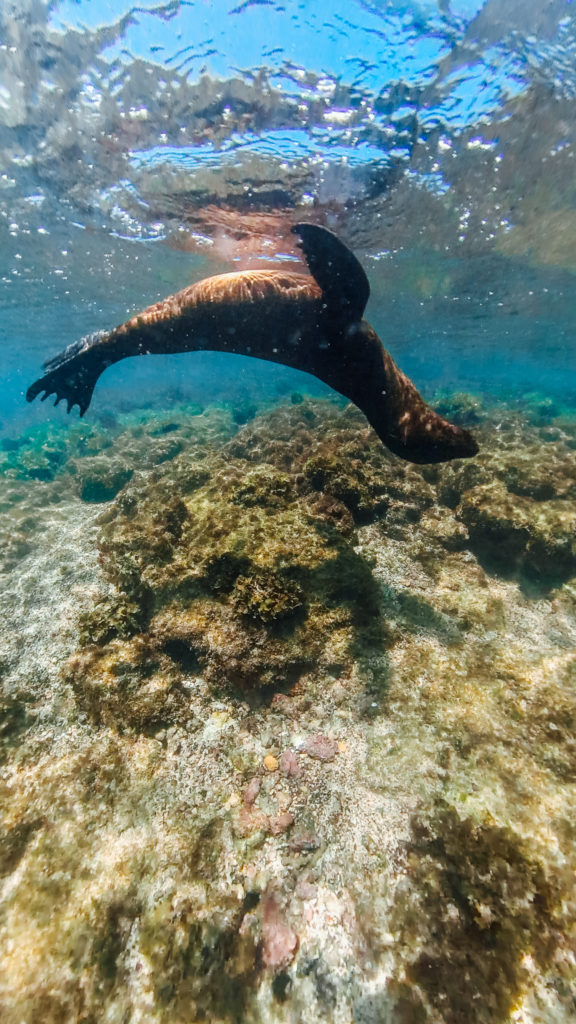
column 287, row 725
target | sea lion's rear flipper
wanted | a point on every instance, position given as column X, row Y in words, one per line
column 341, row 277
column 72, row 375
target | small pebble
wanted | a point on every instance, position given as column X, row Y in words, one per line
column 289, row 763
column 250, row 821
column 321, row 747
column 280, row 702
column 281, row 823
column 306, row 891
column 279, row 941
column 304, row 841
column 270, row 763
column 251, row 791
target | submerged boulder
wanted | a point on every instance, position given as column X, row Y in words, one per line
column 246, row 575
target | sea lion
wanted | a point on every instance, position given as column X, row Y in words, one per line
column 312, row 323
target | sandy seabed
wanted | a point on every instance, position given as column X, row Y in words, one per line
column 287, row 725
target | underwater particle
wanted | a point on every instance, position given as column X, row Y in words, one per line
column 270, row 763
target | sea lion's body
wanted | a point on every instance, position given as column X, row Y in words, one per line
column 313, row 324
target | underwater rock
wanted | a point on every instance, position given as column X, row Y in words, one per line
column 512, row 532
column 130, row 686
column 322, row 748
column 244, row 577
column 462, row 408
column 279, row 941
column 266, row 595
column 497, row 522
column 99, row 479
column 264, row 486
column 479, row 907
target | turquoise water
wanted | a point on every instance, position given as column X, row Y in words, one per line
column 287, row 724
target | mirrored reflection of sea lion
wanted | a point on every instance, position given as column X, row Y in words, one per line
column 312, row 323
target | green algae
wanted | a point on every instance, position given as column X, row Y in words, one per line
column 461, row 408
column 266, row 595
column 99, row 455
column 264, row 486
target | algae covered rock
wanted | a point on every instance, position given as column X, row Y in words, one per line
column 266, row 595
column 461, row 408
column 490, row 907
column 512, row 532
column 264, row 486
column 100, row 479
column 240, row 573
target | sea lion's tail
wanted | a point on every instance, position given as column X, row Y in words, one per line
column 72, row 374
column 412, row 429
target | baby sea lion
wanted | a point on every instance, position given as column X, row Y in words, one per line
column 313, row 324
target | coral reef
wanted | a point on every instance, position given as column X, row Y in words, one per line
column 306, row 748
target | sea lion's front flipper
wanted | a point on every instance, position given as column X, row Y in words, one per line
column 341, row 277
column 72, row 375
